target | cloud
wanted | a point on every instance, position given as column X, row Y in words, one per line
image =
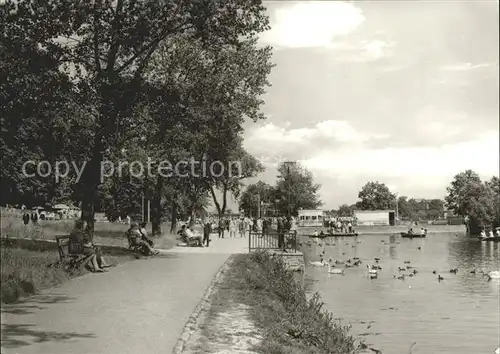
column 342, row 158
column 375, row 49
column 411, row 163
column 278, row 140
column 312, row 24
column 464, row 66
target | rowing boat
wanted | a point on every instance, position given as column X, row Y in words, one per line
column 407, row 235
column 494, row 238
column 336, row 235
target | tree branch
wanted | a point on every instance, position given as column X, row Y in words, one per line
column 115, row 46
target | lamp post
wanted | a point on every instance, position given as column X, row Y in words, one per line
column 258, row 206
column 397, row 208
column 289, row 177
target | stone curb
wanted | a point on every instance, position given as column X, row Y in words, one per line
column 191, row 324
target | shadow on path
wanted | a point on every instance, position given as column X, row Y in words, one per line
column 26, row 307
column 14, row 336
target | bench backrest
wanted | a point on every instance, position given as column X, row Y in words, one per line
column 64, row 249
column 62, row 245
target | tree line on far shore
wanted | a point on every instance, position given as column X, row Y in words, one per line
column 467, row 196
column 129, row 80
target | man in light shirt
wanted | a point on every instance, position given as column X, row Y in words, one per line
column 191, row 235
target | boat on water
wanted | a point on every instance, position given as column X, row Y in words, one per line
column 492, row 239
column 352, row 234
column 407, row 235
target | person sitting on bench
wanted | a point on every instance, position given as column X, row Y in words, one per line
column 192, row 236
column 135, row 238
column 80, row 241
column 189, row 236
column 144, row 234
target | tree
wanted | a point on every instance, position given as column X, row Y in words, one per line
column 469, row 197
column 345, row 210
column 106, row 47
column 375, row 196
column 233, row 174
column 436, row 204
column 215, row 89
column 295, row 189
column 404, row 208
column 254, row 193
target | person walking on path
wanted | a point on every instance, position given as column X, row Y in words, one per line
column 280, row 228
column 232, row 228
column 207, row 228
column 221, row 228
column 242, row 227
column 34, row 217
column 259, row 226
column 26, row 219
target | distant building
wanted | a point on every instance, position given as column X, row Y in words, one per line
column 312, row 218
column 374, row 217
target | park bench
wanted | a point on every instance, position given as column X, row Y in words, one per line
column 75, row 259
column 135, row 247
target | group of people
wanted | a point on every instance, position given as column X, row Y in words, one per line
column 244, row 225
column 81, row 242
column 340, row 226
column 137, row 236
column 191, row 237
column 27, row 217
column 490, row 233
column 423, row 232
column 235, row 226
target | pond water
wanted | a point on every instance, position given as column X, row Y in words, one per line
column 459, row 314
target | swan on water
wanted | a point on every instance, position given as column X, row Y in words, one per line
column 497, row 351
column 371, row 269
column 411, row 346
column 334, row 270
column 318, row 263
column 494, row 274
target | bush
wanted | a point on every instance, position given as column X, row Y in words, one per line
column 291, row 322
column 25, row 272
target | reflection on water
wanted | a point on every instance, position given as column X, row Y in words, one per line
column 457, row 315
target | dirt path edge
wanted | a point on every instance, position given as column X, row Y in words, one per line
column 203, row 306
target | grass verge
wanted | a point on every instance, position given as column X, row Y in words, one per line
column 287, row 321
column 108, row 234
column 24, row 273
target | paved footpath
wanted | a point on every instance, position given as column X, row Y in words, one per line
column 137, row 307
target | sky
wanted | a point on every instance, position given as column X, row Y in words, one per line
column 400, row 92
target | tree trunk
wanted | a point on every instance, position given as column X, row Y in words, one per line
column 91, row 180
column 221, row 210
column 156, row 209
column 92, row 172
column 173, row 225
column 191, row 216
